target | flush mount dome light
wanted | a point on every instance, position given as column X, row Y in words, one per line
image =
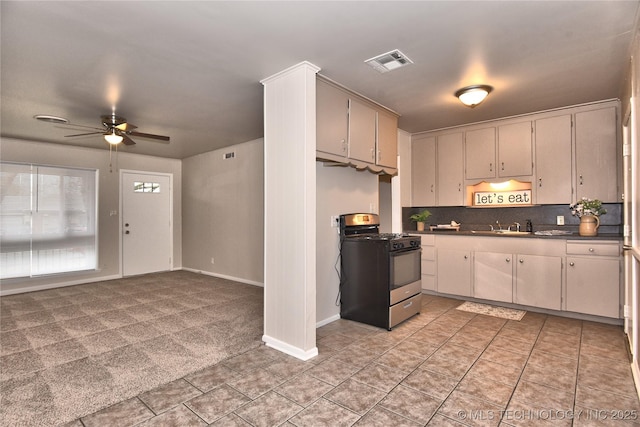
column 473, row 95
column 51, row 119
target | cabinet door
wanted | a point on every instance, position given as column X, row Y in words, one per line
column 515, row 150
column 480, row 153
column 423, row 171
column 450, row 171
column 362, row 131
column 493, row 276
column 553, row 160
column 387, row 140
column 454, row 272
column 539, row 281
column 593, row 286
column 332, row 119
column 596, row 163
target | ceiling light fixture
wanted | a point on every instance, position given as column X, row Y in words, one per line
column 473, row 95
column 113, row 138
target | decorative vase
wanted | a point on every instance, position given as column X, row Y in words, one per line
column 589, row 225
column 420, row 226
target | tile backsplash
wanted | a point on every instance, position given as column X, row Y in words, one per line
column 543, row 217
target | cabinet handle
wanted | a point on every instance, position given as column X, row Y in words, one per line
column 373, row 154
column 502, row 165
column 465, row 257
column 459, row 187
column 539, row 182
column 432, row 188
column 490, row 167
column 408, row 304
column 572, row 264
column 344, row 145
column 508, row 259
column 521, row 261
column 590, row 249
column 580, row 179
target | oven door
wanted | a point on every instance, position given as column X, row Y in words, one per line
column 405, row 275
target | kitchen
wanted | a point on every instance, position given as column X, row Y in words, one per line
column 332, row 199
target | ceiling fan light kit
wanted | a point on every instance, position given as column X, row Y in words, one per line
column 113, row 138
column 473, row 95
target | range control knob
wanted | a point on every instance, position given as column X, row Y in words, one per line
column 398, row 245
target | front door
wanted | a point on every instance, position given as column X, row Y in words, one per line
column 146, row 222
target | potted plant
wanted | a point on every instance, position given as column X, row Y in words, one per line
column 589, row 211
column 420, row 218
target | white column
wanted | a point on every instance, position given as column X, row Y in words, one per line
column 290, row 211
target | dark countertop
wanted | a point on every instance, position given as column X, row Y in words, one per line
column 572, row 236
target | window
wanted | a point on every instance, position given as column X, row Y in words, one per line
column 47, row 220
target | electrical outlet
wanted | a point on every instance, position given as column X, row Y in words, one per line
column 212, row 260
column 335, row 220
column 560, row 220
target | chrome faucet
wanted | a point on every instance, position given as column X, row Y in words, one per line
column 517, row 224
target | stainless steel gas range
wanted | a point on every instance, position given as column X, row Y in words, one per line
column 380, row 277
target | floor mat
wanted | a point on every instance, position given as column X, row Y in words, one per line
column 491, row 310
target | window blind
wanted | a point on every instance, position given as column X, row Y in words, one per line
column 47, row 220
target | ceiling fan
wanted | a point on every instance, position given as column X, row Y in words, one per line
column 116, row 130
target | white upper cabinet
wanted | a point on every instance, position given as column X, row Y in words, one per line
column 332, row 119
column 423, row 171
column 480, row 153
column 515, row 150
column 553, row 160
column 450, row 171
column 596, row 161
column 387, row 140
column 362, row 131
column 352, row 129
column 504, row 151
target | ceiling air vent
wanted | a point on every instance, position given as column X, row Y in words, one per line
column 389, row 61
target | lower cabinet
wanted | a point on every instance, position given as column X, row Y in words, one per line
column 454, row 272
column 493, row 276
column 593, row 278
column 539, row 281
column 580, row 276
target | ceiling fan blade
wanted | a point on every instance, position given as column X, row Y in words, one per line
column 126, row 127
column 85, row 134
column 126, row 140
column 72, row 126
column 148, row 135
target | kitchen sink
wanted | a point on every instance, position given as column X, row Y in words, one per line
column 502, row 232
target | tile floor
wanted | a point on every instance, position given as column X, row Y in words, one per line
column 444, row 367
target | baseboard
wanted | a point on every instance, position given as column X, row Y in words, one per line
column 57, row 285
column 635, row 371
column 327, row 320
column 289, row 349
column 224, row 276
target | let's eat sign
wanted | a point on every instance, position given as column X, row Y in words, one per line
column 502, row 198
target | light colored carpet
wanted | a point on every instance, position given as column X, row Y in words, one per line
column 491, row 310
column 71, row 351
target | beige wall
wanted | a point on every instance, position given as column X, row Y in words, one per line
column 108, row 200
column 339, row 190
column 223, row 211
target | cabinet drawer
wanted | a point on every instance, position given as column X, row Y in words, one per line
column 428, row 267
column 428, row 239
column 428, row 253
column 593, row 248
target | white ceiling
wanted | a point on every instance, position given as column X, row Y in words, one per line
column 192, row 70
